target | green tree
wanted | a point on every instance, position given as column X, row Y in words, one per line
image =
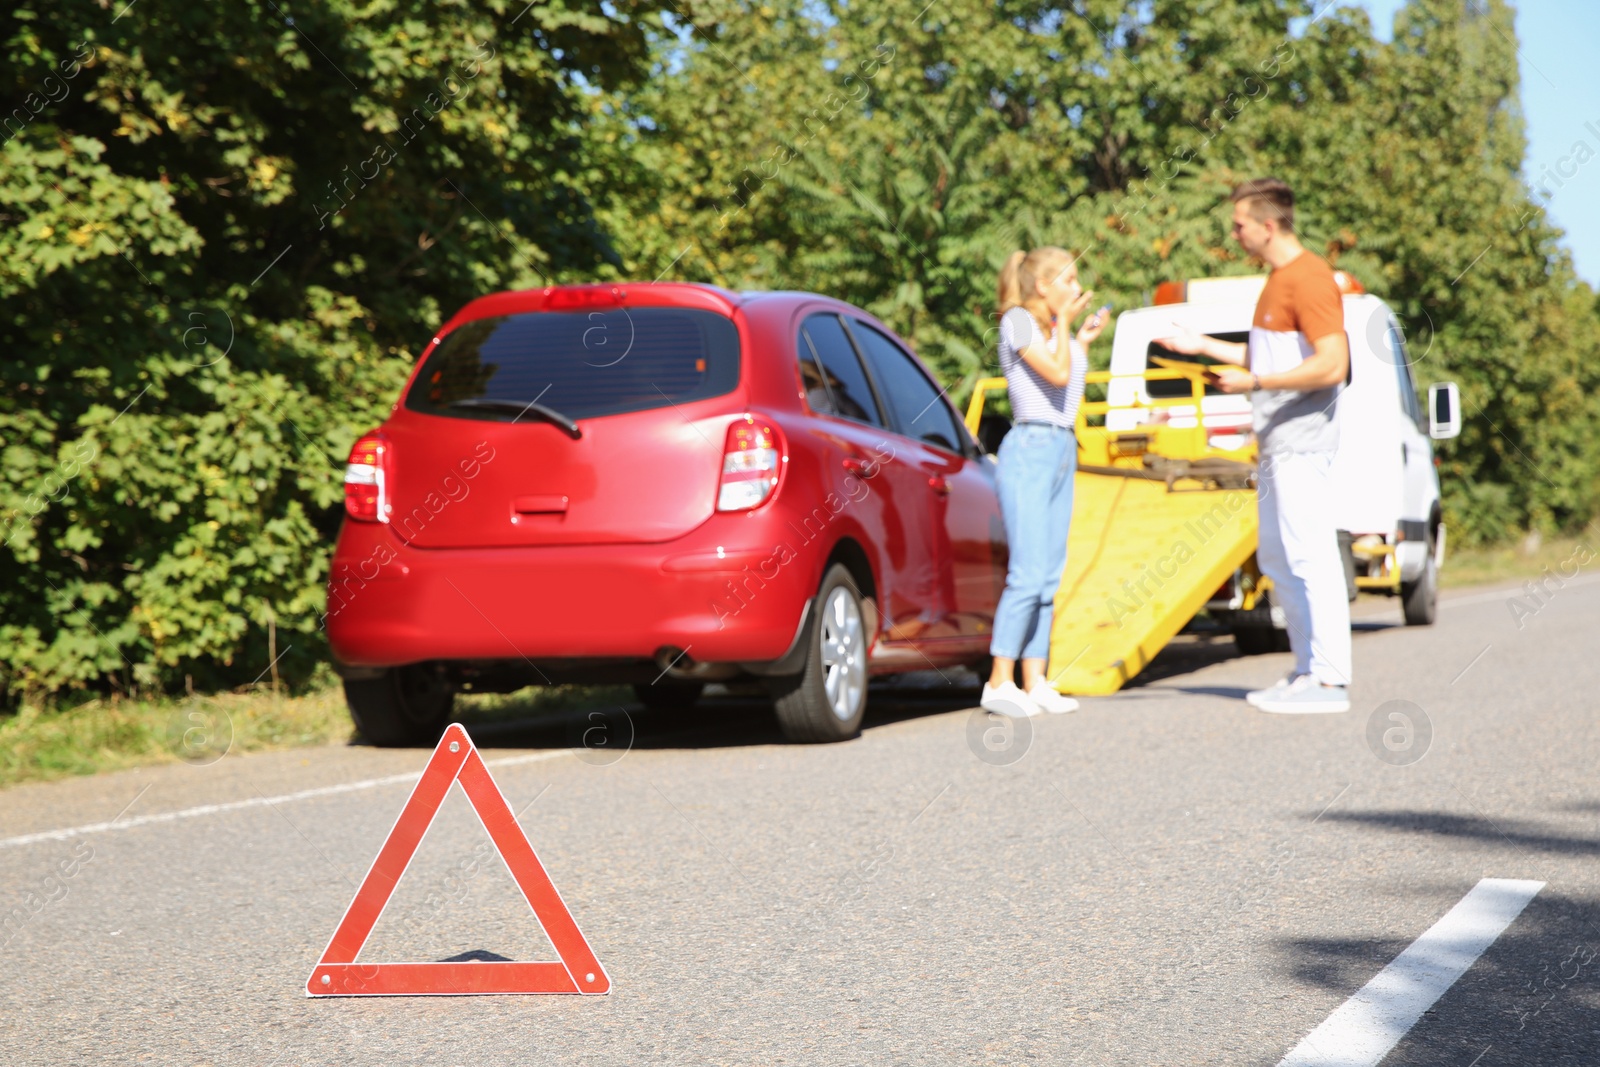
column 227, row 232
column 1117, row 128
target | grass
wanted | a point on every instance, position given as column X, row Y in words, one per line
column 1523, row 559
column 43, row 743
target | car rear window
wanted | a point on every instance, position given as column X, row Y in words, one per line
column 583, row 364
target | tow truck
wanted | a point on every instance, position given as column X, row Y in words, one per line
column 1164, row 509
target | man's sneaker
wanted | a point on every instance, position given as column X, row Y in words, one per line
column 1313, row 699
column 1009, row 700
column 1049, row 700
column 1287, row 684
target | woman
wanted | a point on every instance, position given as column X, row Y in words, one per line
column 1038, row 459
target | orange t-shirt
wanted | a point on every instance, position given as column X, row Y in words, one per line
column 1300, row 304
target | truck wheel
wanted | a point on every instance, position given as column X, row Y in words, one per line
column 827, row 699
column 1254, row 633
column 406, row 706
column 669, row 696
column 1347, row 554
column 1420, row 598
column 1260, row 640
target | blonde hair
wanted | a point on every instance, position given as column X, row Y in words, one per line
column 1020, row 277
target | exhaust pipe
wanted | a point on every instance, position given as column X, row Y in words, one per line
column 676, row 663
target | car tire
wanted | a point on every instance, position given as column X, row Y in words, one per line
column 1420, row 599
column 668, row 695
column 828, row 698
column 404, row 706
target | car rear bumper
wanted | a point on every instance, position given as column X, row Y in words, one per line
column 390, row 604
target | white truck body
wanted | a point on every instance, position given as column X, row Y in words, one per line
column 1384, row 477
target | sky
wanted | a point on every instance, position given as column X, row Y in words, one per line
column 1559, row 40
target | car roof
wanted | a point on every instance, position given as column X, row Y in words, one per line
column 634, row 294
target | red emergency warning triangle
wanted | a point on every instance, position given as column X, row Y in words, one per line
column 339, row 975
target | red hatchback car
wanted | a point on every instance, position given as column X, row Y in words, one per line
column 663, row 484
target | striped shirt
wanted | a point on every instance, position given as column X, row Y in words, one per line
column 1032, row 398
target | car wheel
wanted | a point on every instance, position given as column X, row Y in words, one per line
column 1420, row 599
column 405, row 706
column 668, row 696
column 827, row 699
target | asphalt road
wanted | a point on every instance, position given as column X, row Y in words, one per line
column 1165, row 877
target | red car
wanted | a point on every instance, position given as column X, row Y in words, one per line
column 667, row 485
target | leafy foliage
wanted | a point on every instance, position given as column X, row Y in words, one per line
column 225, row 232
column 1116, row 127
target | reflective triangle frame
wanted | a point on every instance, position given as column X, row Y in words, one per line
column 337, row 974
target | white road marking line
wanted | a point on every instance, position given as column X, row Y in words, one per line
column 1508, row 593
column 1364, row 1028
column 257, row 801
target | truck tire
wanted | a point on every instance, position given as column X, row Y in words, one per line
column 1420, row 599
column 1254, row 633
column 1260, row 640
column 828, row 698
column 405, row 706
column 1347, row 553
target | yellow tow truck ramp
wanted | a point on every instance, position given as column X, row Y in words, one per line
column 1160, row 520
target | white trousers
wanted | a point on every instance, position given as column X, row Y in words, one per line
column 1299, row 551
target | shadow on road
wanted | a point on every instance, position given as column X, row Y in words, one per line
column 478, row 955
column 715, row 722
column 744, row 717
column 1532, row 998
column 1518, row 834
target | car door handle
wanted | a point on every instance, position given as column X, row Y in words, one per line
column 939, row 485
column 539, row 505
column 854, row 465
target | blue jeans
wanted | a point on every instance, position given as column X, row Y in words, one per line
column 1037, row 464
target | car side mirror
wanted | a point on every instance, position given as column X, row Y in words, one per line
column 1444, row 411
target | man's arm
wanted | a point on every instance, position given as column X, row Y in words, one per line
column 1328, row 365
column 1190, row 343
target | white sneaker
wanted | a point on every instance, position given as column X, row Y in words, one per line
column 1008, row 700
column 1311, row 699
column 1049, row 700
column 1289, row 683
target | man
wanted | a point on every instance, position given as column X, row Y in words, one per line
column 1293, row 367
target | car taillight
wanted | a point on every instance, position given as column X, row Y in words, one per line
column 366, row 480
column 750, row 462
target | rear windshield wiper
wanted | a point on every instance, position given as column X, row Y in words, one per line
column 522, row 408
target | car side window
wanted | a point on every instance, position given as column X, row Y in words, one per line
column 812, row 379
column 845, row 381
column 919, row 409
